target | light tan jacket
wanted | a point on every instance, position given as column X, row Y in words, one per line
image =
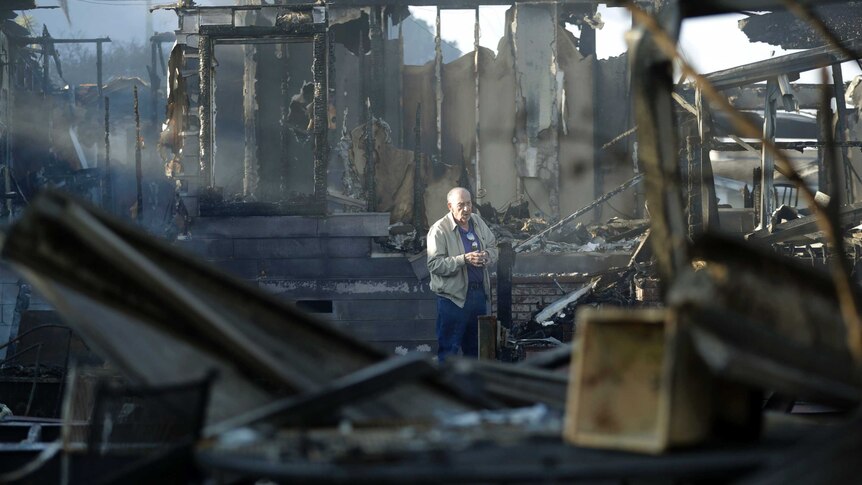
column 446, row 261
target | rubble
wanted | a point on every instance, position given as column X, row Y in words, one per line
column 656, row 369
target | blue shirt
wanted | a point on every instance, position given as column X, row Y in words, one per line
column 471, row 243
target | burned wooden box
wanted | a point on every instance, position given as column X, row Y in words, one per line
column 636, row 383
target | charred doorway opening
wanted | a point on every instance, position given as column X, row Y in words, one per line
column 274, row 157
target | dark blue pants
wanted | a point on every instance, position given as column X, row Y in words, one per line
column 457, row 328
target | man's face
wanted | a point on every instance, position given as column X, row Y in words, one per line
column 461, row 207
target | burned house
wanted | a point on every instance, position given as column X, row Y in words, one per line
column 247, row 329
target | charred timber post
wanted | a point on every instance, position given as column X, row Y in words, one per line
column 370, row 186
column 205, row 109
column 438, row 87
column 154, row 84
column 841, row 133
column 767, row 159
column 282, row 53
column 139, row 216
column 107, row 189
column 99, row 82
column 375, row 58
column 418, row 189
column 487, row 336
column 47, row 47
column 695, row 189
column 477, row 168
column 321, row 121
column 505, row 265
column 250, row 177
column 652, row 84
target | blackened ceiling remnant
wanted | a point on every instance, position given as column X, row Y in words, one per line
column 783, row 29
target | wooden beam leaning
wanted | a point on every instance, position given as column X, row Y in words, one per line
column 652, row 84
column 790, row 63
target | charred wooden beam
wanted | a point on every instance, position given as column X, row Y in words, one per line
column 767, row 158
column 781, row 145
column 370, row 169
column 438, row 87
column 107, row 185
column 752, row 97
column 139, row 176
column 790, row 63
column 652, row 84
column 505, row 265
column 250, row 173
column 321, row 119
column 205, row 100
column 418, row 182
column 478, row 167
column 840, row 133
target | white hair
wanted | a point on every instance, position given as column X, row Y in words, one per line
column 454, row 191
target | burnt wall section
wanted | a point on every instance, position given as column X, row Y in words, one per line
column 326, row 266
column 567, row 160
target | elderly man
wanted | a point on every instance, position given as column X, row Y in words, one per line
column 460, row 249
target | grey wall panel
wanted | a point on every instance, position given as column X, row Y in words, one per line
column 385, row 310
column 209, row 248
column 247, row 269
column 372, row 224
column 391, row 330
column 254, row 226
column 331, row 268
column 303, row 247
column 347, row 289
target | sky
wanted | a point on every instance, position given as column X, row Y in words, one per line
column 708, row 43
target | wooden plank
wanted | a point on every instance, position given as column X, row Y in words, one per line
column 488, row 333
